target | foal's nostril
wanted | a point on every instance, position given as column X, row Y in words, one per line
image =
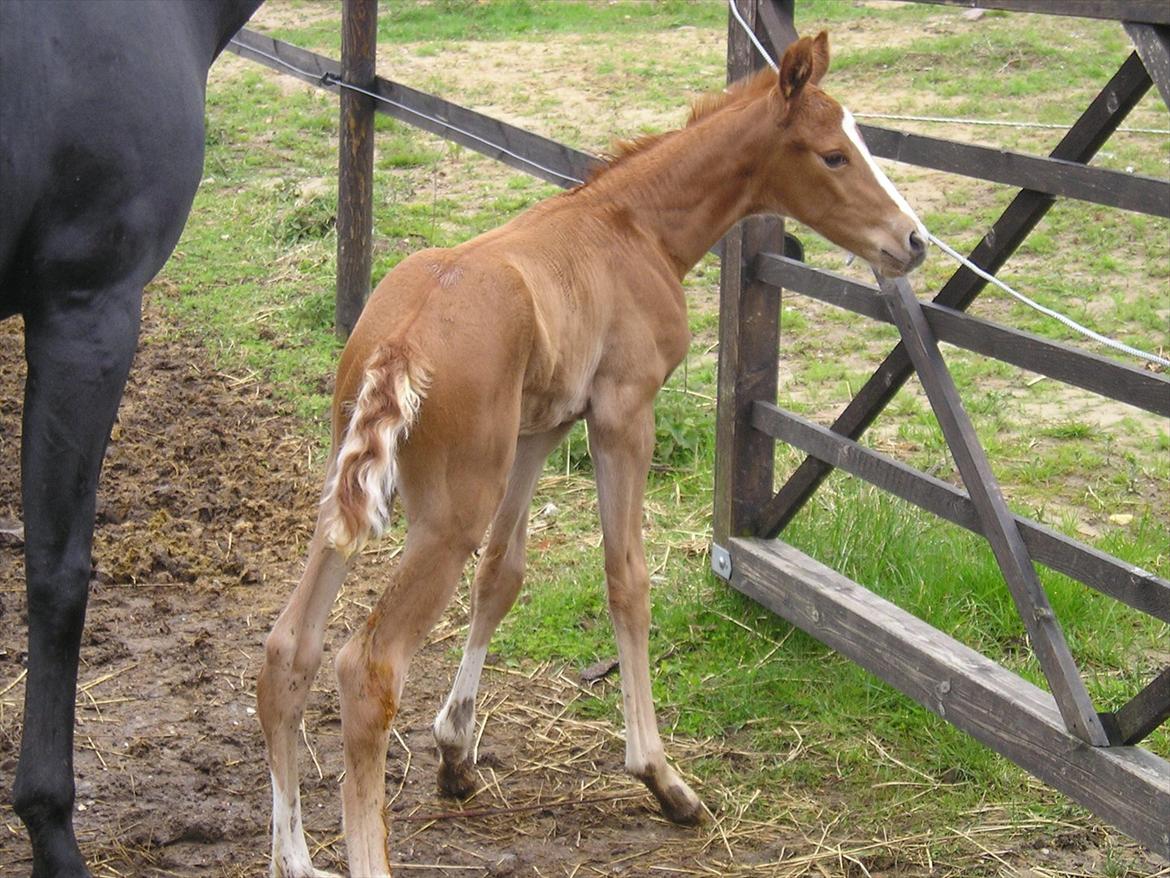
column 917, row 245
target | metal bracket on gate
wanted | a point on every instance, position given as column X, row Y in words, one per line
column 721, row 562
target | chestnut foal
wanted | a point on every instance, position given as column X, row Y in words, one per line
column 468, row 367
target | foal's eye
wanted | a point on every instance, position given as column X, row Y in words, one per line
column 835, row 160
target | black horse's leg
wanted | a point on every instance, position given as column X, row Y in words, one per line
column 78, row 358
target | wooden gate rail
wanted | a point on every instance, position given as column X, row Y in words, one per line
column 1154, row 11
column 1122, row 783
column 1131, row 585
column 1049, row 175
column 540, row 156
column 1054, row 359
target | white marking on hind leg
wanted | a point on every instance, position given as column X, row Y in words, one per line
column 290, row 853
column 454, row 726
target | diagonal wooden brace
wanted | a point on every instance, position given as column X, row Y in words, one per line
column 1141, row 714
column 999, row 525
column 1152, row 42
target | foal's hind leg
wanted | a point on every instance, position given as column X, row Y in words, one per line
column 372, row 666
column 497, row 583
column 292, row 657
column 77, row 367
column 621, row 441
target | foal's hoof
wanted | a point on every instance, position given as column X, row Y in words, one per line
column 680, row 806
column 457, row 780
column 679, row 803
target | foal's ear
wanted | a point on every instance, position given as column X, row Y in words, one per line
column 805, row 61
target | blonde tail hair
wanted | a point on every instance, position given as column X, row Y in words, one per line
column 360, row 492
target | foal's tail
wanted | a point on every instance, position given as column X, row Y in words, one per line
column 360, row 492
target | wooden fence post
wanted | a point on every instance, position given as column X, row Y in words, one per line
column 749, row 337
column 749, row 316
column 355, row 182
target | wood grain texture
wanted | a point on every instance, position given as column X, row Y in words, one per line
column 1114, row 10
column 1068, row 179
column 355, row 181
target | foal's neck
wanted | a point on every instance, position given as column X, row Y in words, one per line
column 692, row 185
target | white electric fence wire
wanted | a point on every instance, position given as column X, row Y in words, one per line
column 998, row 123
column 942, row 245
column 1067, row 321
column 751, row 35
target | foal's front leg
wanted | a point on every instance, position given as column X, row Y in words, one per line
column 621, row 442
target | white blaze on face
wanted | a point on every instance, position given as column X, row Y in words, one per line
column 849, row 126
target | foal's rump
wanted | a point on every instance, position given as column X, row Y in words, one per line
column 440, row 350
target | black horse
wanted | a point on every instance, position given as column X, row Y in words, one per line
column 101, row 149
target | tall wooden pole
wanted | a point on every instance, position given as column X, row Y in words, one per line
column 355, row 218
column 749, row 317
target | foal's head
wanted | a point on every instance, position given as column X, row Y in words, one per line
column 820, row 172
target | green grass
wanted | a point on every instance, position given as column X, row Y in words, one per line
column 254, row 277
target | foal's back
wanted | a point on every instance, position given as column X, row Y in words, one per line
column 519, row 320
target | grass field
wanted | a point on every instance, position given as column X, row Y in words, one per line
column 254, row 277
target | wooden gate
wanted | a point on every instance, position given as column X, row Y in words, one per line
column 1059, row 737
column 1094, row 758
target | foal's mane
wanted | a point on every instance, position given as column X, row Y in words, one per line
column 748, row 88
